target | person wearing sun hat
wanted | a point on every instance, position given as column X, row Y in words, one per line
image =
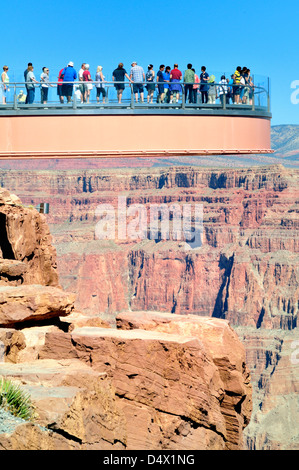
column 69, row 75
column 212, row 95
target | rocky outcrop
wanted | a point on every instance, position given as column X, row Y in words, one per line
column 32, row 304
column 273, row 358
column 135, row 389
column 246, row 271
column 185, row 386
column 171, row 378
column 29, row 259
column 227, row 353
column 75, row 408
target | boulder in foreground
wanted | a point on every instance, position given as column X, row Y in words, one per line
column 33, row 303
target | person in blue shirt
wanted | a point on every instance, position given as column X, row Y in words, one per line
column 204, row 87
column 230, row 91
column 166, row 77
column 25, row 76
column 69, row 75
column 160, row 84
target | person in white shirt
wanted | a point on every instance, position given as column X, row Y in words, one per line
column 81, row 87
column 222, row 89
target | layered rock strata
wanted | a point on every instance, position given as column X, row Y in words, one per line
column 96, row 387
column 245, row 272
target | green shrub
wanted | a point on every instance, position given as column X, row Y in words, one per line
column 15, row 400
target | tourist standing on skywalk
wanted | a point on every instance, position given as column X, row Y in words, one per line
column 137, row 76
column 69, row 75
column 4, row 83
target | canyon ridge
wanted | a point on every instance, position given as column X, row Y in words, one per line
column 244, row 275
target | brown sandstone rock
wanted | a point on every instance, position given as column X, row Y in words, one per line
column 75, row 405
column 169, row 387
column 78, row 320
column 225, row 348
column 25, row 237
column 33, row 303
column 12, row 268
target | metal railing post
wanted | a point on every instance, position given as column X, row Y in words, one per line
column 253, row 100
column 15, row 99
column 132, row 97
column 223, row 97
column 74, row 97
column 183, row 96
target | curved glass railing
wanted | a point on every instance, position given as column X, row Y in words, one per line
column 226, row 96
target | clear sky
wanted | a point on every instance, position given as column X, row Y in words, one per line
column 262, row 35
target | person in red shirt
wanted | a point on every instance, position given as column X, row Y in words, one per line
column 87, row 86
column 175, row 88
column 59, row 86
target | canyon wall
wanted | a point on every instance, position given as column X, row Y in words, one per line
column 246, row 270
column 94, row 387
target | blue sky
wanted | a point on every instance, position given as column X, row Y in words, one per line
column 262, row 35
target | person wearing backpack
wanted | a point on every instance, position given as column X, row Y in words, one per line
column 150, row 84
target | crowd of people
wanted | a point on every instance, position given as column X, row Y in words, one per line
column 168, row 82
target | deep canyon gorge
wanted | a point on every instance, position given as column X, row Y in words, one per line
column 245, row 272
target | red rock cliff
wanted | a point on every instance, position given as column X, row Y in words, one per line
column 246, row 271
column 182, row 385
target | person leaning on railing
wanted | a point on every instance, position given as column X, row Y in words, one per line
column 119, row 75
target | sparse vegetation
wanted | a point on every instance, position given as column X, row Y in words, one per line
column 15, row 400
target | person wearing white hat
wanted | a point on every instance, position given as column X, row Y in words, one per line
column 69, row 76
